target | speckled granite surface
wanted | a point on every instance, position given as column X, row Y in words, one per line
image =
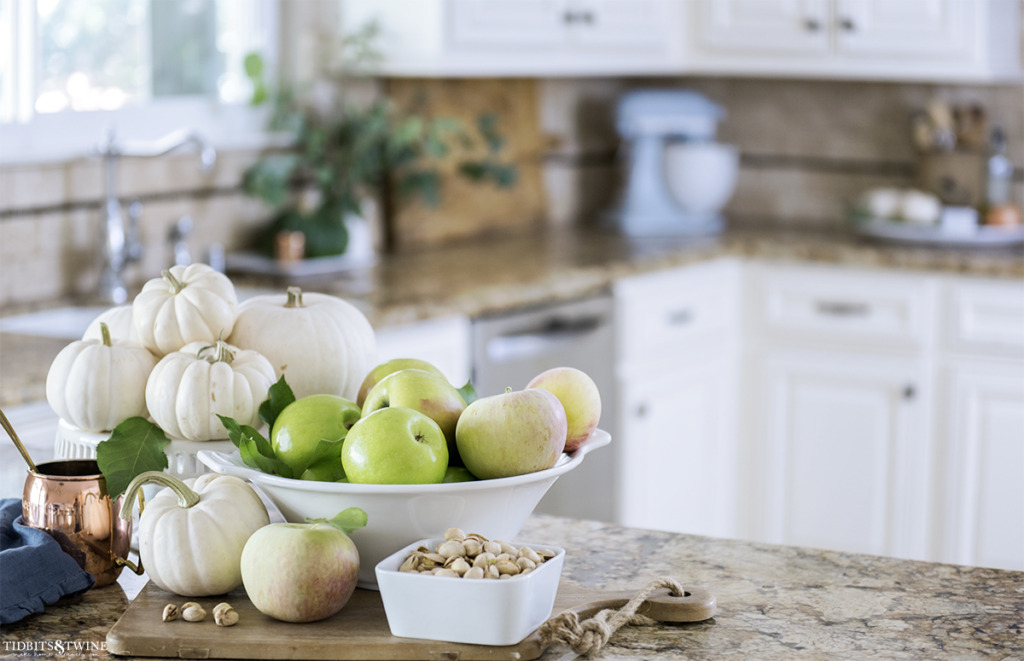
column 489, row 275
column 774, row 602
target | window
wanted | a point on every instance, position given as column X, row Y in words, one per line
column 70, row 70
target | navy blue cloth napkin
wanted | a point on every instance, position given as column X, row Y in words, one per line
column 34, row 571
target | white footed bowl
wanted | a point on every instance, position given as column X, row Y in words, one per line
column 399, row 514
column 701, row 175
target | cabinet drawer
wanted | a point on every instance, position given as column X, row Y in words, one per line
column 832, row 305
column 985, row 317
column 668, row 309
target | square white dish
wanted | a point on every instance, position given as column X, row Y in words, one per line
column 484, row 611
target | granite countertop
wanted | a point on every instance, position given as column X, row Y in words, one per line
column 492, row 274
column 774, row 602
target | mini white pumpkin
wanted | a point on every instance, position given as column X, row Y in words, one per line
column 189, row 388
column 97, row 384
column 320, row 343
column 119, row 321
column 185, row 304
column 191, row 535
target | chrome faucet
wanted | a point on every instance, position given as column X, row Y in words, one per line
column 121, row 245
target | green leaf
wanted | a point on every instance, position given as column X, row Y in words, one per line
column 347, row 521
column 279, row 396
column 134, row 447
column 255, row 450
column 253, row 64
column 469, row 394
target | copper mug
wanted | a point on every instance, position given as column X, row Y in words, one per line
column 69, row 500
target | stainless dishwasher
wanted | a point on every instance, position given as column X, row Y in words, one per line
column 511, row 348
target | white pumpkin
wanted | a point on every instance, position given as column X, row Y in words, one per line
column 185, row 304
column 97, row 384
column 191, row 535
column 189, row 388
column 320, row 343
column 119, row 321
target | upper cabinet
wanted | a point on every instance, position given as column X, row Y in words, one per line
column 525, row 37
column 941, row 40
column 872, row 39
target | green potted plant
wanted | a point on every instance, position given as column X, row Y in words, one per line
column 346, row 152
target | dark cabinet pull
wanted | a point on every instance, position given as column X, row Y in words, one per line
column 909, row 392
column 847, row 24
column 812, row 24
column 680, row 317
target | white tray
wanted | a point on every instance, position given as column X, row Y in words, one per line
column 983, row 237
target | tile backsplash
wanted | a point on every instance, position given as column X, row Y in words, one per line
column 806, row 147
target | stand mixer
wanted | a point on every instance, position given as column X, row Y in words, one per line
column 677, row 178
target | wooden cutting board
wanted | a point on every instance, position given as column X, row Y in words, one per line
column 359, row 631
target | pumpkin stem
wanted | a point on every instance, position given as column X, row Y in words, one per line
column 223, row 355
column 186, row 496
column 294, row 298
column 105, row 334
column 176, row 285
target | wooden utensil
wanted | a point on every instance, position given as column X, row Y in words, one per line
column 359, row 631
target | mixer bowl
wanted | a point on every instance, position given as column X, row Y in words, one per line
column 701, row 176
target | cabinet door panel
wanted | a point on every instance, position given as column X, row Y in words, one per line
column 635, row 24
column 678, row 452
column 943, row 29
column 841, row 452
column 982, row 493
column 770, row 26
column 488, row 23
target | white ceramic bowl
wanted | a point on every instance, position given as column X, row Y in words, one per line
column 701, row 175
column 466, row 610
column 399, row 514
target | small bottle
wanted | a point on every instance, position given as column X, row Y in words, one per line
column 999, row 171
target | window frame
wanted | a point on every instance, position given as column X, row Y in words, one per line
column 30, row 137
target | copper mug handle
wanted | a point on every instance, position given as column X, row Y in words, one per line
column 137, row 569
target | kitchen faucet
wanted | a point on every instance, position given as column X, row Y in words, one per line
column 121, row 244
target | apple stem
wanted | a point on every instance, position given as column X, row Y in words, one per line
column 508, row 389
column 186, row 496
column 294, row 298
column 176, row 285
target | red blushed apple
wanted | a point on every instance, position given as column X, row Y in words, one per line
column 580, row 397
column 299, row 572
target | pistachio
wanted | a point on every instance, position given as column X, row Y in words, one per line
column 459, row 566
column 494, row 548
column 508, row 548
column 525, row 563
column 507, row 565
column 529, row 554
column 450, row 549
column 441, row 571
column 474, row 572
column 412, row 563
column 473, row 546
column 192, row 612
column 224, row 615
column 483, row 559
column 170, row 613
column 456, row 534
column 491, row 572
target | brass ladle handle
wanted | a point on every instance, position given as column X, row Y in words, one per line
column 17, row 441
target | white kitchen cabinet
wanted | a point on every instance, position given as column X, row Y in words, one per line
column 841, row 460
column 453, row 38
column 676, row 362
column 839, row 397
column 443, row 342
column 970, row 40
column 980, row 478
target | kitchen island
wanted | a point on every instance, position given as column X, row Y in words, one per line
column 774, row 602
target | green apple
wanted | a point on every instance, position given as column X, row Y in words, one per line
column 458, row 474
column 299, row 572
column 580, row 397
column 327, row 469
column 422, row 391
column 395, row 445
column 512, row 433
column 390, row 367
column 302, row 425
